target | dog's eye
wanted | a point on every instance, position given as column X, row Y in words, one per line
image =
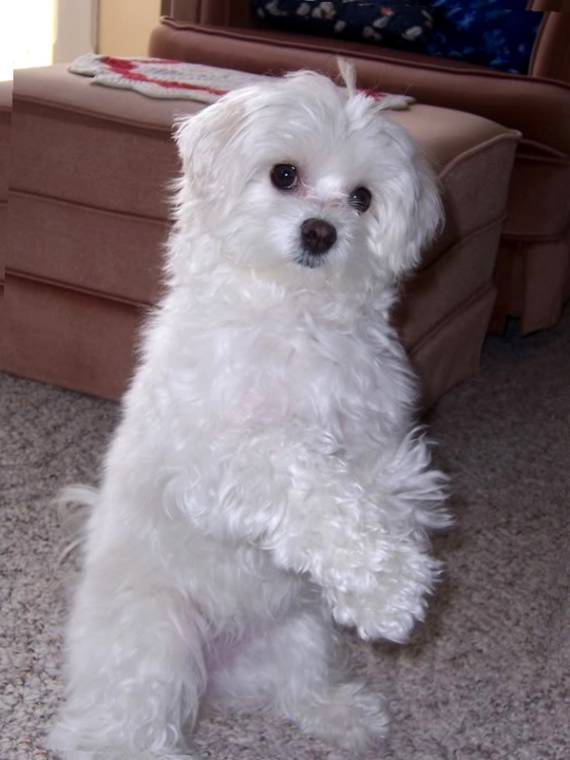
column 360, row 199
column 284, row 176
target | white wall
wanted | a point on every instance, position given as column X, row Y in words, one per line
column 76, row 29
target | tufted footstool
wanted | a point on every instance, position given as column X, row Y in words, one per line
column 88, row 214
column 5, row 118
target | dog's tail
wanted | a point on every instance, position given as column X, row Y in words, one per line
column 74, row 504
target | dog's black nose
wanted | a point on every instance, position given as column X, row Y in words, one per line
column 317, row 235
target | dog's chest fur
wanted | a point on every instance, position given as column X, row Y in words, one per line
column 239, row 363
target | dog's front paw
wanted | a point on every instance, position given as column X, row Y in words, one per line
column 390, row 606
column 372, row 618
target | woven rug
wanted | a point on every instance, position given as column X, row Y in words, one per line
column 162, row 78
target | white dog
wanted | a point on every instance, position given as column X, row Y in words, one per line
column 266, row 477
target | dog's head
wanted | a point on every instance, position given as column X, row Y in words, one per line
column 298, row 177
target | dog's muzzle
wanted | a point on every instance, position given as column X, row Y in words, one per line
column 317, row 237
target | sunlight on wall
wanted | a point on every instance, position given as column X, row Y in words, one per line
column 27, row 32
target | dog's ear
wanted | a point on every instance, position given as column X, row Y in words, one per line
column 208, row 143
column 407, row 212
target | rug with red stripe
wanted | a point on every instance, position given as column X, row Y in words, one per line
column 162, row 78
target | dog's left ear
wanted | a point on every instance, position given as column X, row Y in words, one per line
column 408, row 212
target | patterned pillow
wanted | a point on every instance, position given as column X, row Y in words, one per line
column 393, row 23
column 496, row 33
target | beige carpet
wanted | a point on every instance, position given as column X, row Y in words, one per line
column 487, row 678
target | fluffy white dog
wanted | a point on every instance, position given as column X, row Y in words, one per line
column 266, row 477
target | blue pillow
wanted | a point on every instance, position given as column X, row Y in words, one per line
column 496, row 33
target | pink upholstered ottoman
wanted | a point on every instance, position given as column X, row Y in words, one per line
column 5, row 119
column 88, row 211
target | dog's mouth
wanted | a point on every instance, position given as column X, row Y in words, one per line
column 311, row 260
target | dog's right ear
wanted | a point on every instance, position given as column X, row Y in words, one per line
column 206, row 142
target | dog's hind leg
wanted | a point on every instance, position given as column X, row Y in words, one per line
column 135, row 662
column 292, row 669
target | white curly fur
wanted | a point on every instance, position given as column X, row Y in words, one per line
column 266, row 474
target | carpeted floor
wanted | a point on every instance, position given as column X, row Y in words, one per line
column 488, row 676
